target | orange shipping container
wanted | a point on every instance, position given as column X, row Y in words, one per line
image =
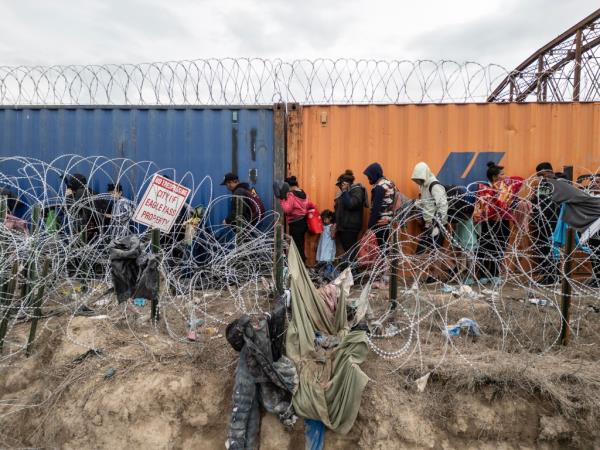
column 456, row 140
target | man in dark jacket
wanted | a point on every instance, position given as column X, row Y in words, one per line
column 349, row 206
column 382, row 202
column 581, row 211
column 544, row 216
column 250, row 209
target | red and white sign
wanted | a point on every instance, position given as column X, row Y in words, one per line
column 161, row 204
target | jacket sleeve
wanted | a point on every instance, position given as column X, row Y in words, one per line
column 286, row 204
column 376, row 202
column 352, row 200
column 310, row 205
column 441, row 202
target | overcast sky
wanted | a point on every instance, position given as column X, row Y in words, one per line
column 101, row 31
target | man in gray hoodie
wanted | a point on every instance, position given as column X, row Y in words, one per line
column 434, row 206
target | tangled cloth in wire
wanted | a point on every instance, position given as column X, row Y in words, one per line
column 331, row 387
column 134, row 273
column 263, row 376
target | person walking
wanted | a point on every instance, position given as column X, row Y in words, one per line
column 296, row 205
column 382, row 203
column 495, row 200
column 433, row 205
column 434, row 208
column 543, row 220
column 252, row 206
column 121, row 213
column 348, row 211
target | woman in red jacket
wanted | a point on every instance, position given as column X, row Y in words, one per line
column 296, row 206
column 494, row 212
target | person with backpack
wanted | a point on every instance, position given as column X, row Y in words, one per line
column 543, row 220
column 434, row 207
column 383, row 196
column 253, row 208
column 348, row 221
column 121, row 213
column 296, row 205
column 493, row 212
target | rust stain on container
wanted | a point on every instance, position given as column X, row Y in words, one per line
column 455, row 137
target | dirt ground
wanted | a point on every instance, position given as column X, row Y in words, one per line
column 142, row 388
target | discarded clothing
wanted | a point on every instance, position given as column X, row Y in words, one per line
column 148, row 282
column 260, row 379
column 134, row 274
column 331, row 292
column 329, row 295
column 328, row 392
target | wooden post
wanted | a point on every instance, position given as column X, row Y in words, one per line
column 394, row 254
column 8, row 296
column 278, row 259
column 37, row 305
column 154, row 313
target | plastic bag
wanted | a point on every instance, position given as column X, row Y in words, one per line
column 314, row 222
column 368, row 251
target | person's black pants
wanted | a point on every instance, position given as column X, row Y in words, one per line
column 297, row 230
column 493, row 241
column 348, row 240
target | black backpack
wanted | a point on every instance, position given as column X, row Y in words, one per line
column 460, row 204
column 257, row 207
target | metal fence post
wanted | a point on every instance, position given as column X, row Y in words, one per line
column 3, row 208
column 565, row 306
column 393, row 292
column 279, row 259
column 154, row 313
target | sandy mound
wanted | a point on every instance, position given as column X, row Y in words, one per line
column 154, row 392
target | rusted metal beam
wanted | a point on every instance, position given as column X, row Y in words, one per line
column 557, row 66
column 508, row 82
column 540, row 76
column 577, row 73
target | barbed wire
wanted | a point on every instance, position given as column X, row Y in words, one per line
column 209, row 268
column 251, row 81
column 212, row 273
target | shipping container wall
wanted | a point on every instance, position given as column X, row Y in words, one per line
column 193, row 142
column 456, row 140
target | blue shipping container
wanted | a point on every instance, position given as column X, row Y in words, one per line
column 197, row 141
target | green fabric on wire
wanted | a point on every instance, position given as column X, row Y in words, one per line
column 329, row 391
column 51, row 223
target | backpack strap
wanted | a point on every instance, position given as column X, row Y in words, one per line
column 435, row 183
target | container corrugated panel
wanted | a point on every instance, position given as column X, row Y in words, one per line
column 456, row 140
column 201, row 142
